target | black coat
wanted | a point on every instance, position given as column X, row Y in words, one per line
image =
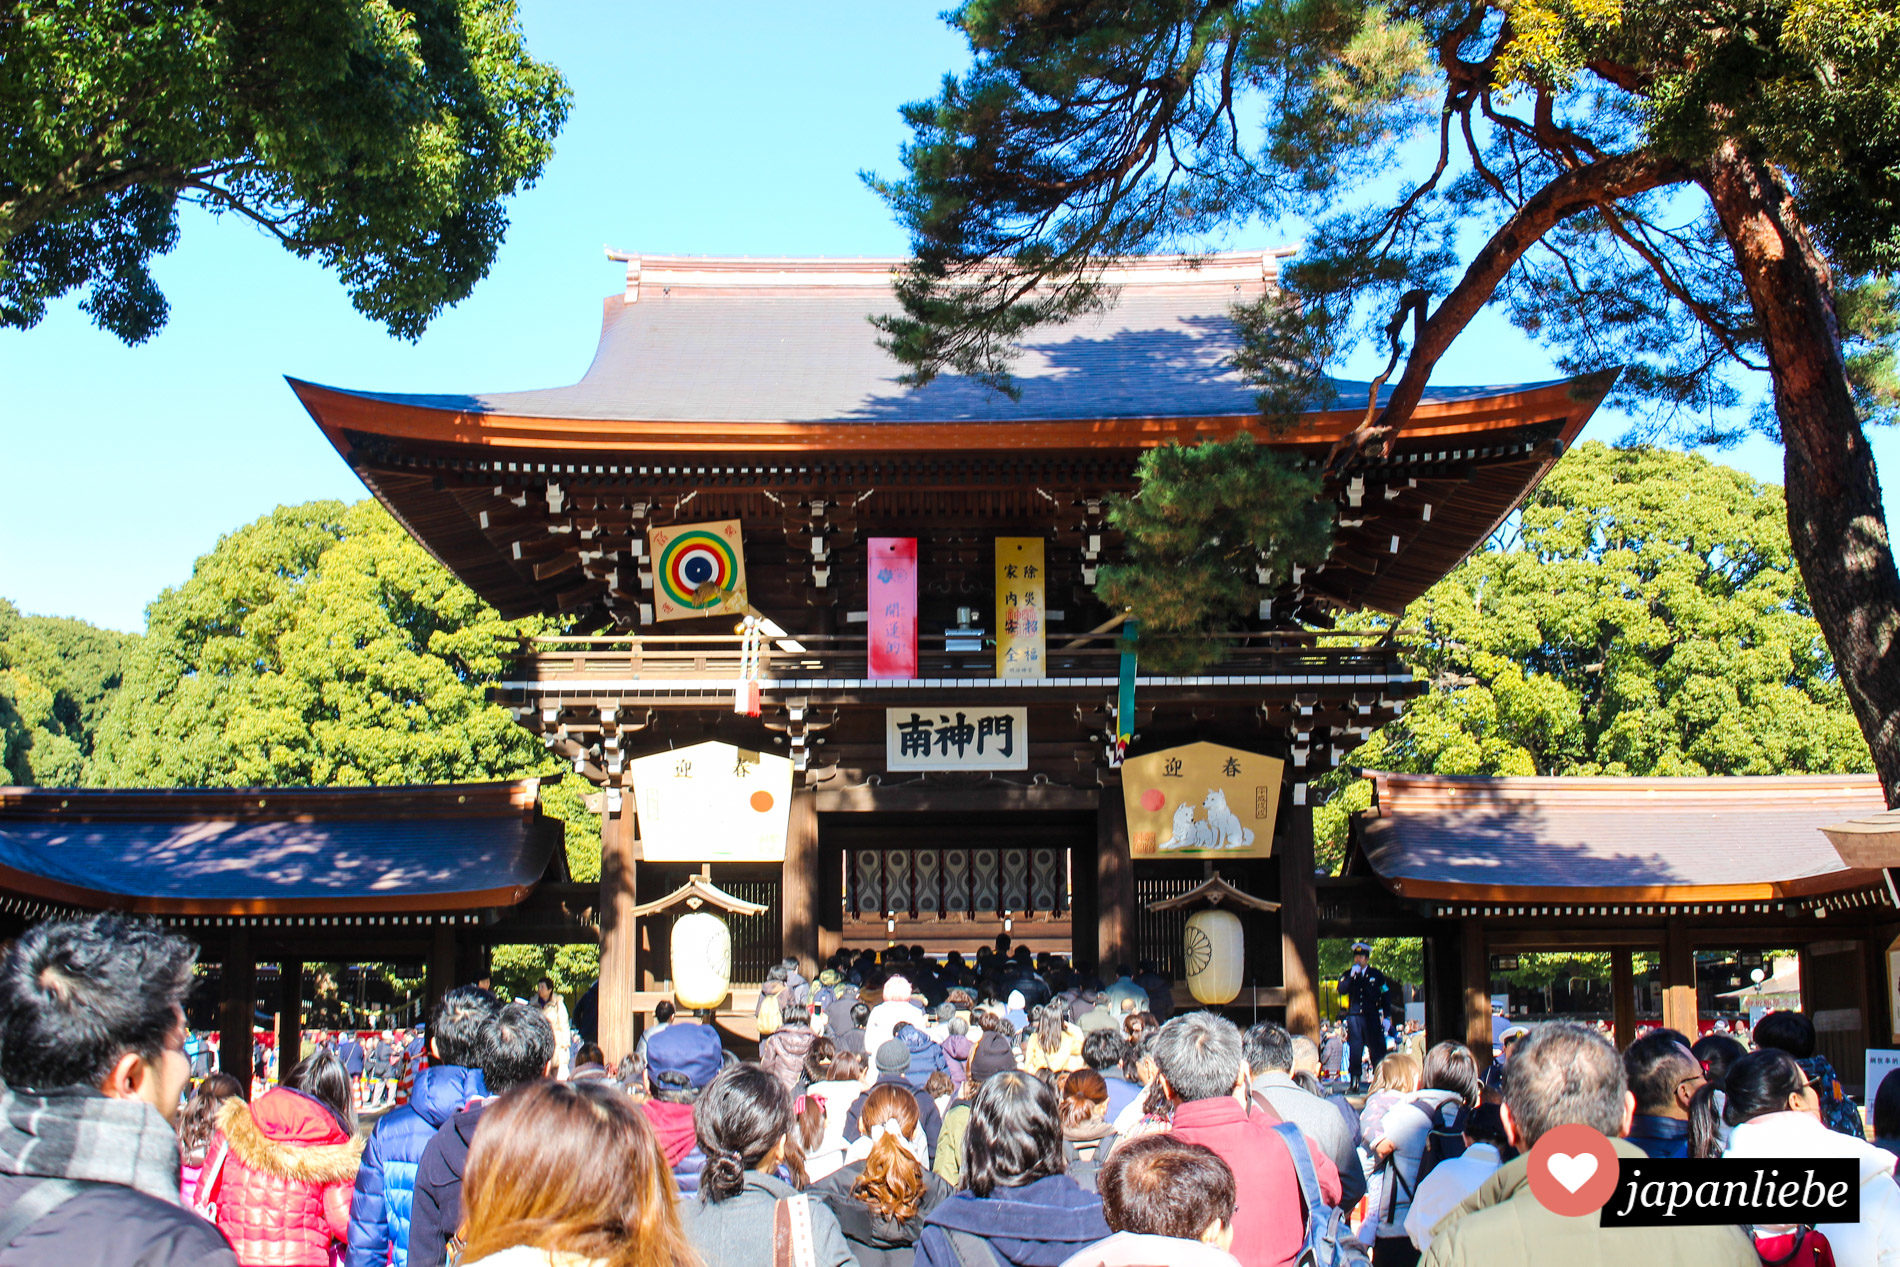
column 1366, row 991
column 112, row 1224
column 876, row 1241
column 436, row 1209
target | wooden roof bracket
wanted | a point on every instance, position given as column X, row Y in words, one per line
column 1214, row 891
column 701, row 891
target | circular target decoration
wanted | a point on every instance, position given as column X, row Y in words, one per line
column 693, row 560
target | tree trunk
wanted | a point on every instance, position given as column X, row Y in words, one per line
column 1835, row 517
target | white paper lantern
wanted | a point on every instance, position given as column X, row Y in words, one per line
column 1216, row 956
column 702, row 961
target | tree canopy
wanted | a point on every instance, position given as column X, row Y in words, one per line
column 319, row 645
column 381, row 138
column 1213, row 530
column 1643, row 616
column 1680, row 188
column 57, row 678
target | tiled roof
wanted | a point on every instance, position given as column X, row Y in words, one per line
column 792, row 341
column 1445, row 836
column 254, row 851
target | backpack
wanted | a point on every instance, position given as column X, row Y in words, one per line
column 1838, row 1110
column 1329, row 1241
column 1447, row 1138
column 771, row 1020
column 1806, row 1246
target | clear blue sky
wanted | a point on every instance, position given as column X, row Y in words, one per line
column 740, row 133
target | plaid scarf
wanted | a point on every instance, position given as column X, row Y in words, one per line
column 78, row 1133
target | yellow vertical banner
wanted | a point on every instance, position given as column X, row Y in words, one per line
column 1021, row 641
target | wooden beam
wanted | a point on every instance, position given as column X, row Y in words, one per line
column 1475, row 971
column 1444, row 987
column 619, row 933
column 289, row 1013
column 802, row 889
column 1623, row 997
column 1114, row 885
column 237, row 1006
column 441, row 966
column 1299, row 921
column 1679, row 1009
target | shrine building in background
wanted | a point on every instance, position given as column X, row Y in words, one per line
column 933, row 758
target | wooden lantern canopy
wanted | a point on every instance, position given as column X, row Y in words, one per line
column 701, row 943
column 1216, row 941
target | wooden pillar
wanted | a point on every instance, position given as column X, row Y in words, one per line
column 799, row 893
column 1679, row 1009
column 237, row 1007
column 1115, row 940
column 619, row 932
column 1623, row 996
column 1444, row 987
column 1475, row 961
column 1299, row 917
column 289, row 1013
column 441, row 968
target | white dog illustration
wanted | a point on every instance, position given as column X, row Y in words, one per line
column 1186, row 833
column 1222, row 828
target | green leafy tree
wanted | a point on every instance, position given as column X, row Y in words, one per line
column 1213, row 529
column 317, row 646
column 56, row 678
column 516, row 968
column 381, row 138
column 1644, row 616
column 1682, row 188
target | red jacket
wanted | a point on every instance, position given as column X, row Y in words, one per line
column 277, row 1180
column 1269, row 1225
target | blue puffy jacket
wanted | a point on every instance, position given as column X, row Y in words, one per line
column 926, row 1057
column 386, row 1180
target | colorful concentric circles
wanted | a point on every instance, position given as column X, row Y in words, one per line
column 694, row 559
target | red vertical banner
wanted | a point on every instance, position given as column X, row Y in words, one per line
column 891, row 620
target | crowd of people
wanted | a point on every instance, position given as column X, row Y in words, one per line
column 900, row 1111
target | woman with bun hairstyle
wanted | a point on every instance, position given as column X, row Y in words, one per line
column 1774, row 1112
column 1087, row 1134
column 745, row 1126
column 569, row 1174
column 881, row 1202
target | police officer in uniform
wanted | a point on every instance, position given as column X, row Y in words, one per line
column 1364, row 988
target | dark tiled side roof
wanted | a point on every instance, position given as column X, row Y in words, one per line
column 1609, row 833
column 379, row 849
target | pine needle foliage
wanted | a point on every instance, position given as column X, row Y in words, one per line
column 1212, row 530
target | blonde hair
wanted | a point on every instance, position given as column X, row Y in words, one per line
column 571, row 1167
column 1400, row 1072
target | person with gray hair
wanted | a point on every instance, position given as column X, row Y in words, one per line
column 1270, row 1058
column 1202, row 1069
column 1565, row 1074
